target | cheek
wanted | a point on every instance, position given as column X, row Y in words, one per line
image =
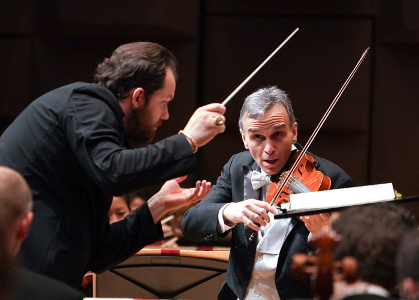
column 156, row 113
column 256, row 152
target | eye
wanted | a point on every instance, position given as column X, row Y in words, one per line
column 258, row 137
column 277, row 133
column 121, row 213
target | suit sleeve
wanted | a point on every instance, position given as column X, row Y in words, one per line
column 125, row 238
column 96, row 136
column 200, row 222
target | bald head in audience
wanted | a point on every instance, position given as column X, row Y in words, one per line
column 15, row 208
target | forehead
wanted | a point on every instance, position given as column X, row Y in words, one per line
column 167, row 91
column 275, row 117
column 119, row 201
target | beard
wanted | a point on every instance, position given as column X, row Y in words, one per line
column 139, row 128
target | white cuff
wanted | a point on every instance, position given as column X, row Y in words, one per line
column 222, row 227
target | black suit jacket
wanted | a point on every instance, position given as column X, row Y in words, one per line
column 200, row 224
column 71, row 146
column 367, row 297
column 34, row 286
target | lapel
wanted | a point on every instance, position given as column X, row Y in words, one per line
column 250, row 193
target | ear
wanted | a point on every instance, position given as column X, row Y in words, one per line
column 138, row 97
column 244, row 139
column 25, row 224
column 294, row 131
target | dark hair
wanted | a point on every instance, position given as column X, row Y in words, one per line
column 143, row 193
column 407, row 261
column 371, row 235
column 140, row 64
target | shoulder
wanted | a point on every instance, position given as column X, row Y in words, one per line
column 36, row 286
column 86, row 91
column 367, row 297
column 241, row 158
column 92, row 89
column 78, row 93
column 338, row 176
column 92, row 101
column 237, row 162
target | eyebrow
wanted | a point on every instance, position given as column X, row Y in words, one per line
column 274, row 128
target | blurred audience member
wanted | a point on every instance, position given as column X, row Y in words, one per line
column 138, row 198
column 170, row 231
column 16, row 216
column 119, row 209
column 407, row 263
column 371, row 234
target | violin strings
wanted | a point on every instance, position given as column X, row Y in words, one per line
column 298, row 187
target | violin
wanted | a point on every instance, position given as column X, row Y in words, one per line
column 304, row 179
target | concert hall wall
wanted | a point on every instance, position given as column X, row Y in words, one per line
column 371, row 133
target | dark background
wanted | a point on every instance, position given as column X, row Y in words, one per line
column 371, row 133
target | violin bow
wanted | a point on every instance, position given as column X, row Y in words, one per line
column 258, row 68
column 313, row 135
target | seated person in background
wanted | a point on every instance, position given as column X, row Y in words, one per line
column 407, row 263
column 259, row 268
column 123, row 205
column 120, row 208
column 138, row 198
column 16, row 216
column 371, row 235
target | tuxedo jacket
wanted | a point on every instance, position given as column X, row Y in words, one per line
column 200, row 224
column 72, row 148
column 367, row 297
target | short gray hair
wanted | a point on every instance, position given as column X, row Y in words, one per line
column 256, row 104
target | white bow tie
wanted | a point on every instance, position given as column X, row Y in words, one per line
column 259, row 180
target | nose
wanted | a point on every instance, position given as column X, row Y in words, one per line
column 112, row 219
column 165, row 113
column 269, row 148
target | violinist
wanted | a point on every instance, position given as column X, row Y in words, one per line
column 259, row 268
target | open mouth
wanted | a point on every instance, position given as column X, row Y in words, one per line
column 270, row 161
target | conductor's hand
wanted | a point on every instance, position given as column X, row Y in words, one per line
column 172, row 196
column 202, row 126
column 249, row 212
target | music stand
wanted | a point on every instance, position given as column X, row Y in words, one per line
column 165, row 274
column 411, row 203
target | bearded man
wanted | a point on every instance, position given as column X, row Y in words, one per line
column 76, row 148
